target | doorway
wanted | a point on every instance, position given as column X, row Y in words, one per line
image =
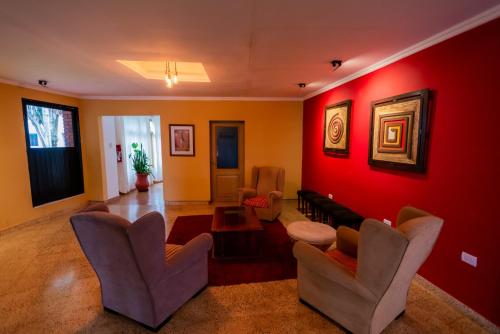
column 118, row 134
column 227, row 159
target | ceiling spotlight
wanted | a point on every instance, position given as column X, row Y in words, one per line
column 336, row 63
column 301, row 84
column 43, row 83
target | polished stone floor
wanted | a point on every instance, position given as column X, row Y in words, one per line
column 47, row 286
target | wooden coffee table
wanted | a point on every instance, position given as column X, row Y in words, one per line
column 237, row 233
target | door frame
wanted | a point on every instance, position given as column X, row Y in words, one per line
column 211, row 163
column 101, row 152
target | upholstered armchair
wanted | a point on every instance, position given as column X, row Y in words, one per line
column 366, row 294
column 265, row 193
column 141, row 277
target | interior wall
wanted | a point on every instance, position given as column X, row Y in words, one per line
column 462, row 183
column 15, row 193
column 272, row 137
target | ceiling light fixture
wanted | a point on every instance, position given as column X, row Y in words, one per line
column 170, row 78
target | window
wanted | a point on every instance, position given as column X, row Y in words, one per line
column 49, row 127
column 54, row 153
column 227, row 147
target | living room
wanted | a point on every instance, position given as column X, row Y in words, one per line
column 306, row 89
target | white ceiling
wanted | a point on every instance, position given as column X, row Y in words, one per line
column 249, row 48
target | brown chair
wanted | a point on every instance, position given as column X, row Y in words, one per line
column 371, row 297
column 265, row 193
column 141, row 277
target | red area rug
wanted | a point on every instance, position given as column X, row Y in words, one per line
column 277, row 263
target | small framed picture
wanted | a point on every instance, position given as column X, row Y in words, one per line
column 399, row 131
column 336, row 128
column 182, row 140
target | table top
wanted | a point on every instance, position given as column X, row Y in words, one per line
column 312, row 232
column 235, row 219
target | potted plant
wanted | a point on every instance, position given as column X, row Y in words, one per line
column 140, row 163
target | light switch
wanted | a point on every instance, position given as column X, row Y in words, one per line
column 469, row 259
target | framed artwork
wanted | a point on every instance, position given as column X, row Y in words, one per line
column 182, row 140
column 399, row 131
column 336, row 128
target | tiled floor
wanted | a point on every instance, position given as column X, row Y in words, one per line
column 47, row 286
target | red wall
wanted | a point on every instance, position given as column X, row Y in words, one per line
column 462, row 183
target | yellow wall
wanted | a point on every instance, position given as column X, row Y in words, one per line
column 15, row 194
column 273, row 136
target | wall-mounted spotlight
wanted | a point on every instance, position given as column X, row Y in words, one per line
column 336, row 63
column 301, row 84
column 43, row 83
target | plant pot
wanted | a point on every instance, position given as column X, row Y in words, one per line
column 142, row 183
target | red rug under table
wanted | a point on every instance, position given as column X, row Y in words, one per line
column 277, row 262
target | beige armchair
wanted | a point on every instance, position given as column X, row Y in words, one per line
column 141, row 276
column 265, row 193
column 371, row 297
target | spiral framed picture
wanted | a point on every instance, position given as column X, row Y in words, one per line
column 336, row 128
column 399, row 131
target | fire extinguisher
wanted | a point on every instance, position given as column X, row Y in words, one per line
column 118, row 153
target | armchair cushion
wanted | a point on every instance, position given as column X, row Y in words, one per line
column 350, row 263
column 316, row 261
column 189, row 254
column 257, row 202
column 171, row 250
column 347, row 241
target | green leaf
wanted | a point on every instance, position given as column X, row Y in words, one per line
column 140, row 161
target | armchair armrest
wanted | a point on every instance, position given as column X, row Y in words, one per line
column 347, row 241
column 190, row 253
column 275, row 194
column 244, row 193
column 316, row 261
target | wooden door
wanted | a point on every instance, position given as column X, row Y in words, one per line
column 227, row 159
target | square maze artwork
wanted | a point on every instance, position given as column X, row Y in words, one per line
column 395, row 133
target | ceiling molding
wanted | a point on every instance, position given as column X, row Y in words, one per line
column 457, row 29
column 190, row 98
column 39, row 88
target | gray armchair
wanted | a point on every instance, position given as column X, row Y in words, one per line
column 265, row 193
column 371, row 297
column 141, row 277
